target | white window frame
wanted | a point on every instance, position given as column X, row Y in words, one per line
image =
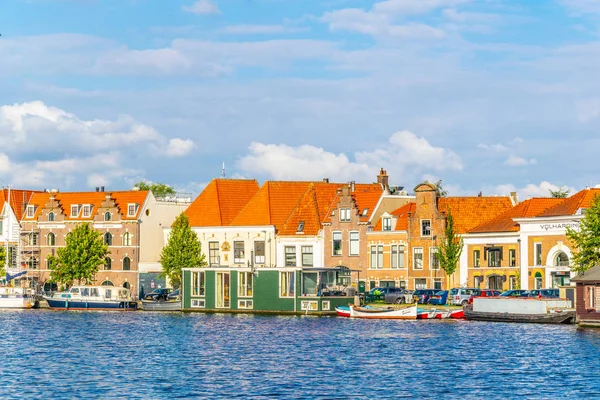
column 30, row 211
column 86, row 210
column 422, row 283
column 74, row 210
column 432, row 251
column 290, row 278
column 128, row 241
column 422, row 226
column 245, row 304
column 386, row 224
column 260, row 259
column 417, row 250
column 356, row 250
column 198, row 282
column 132, row 207
column 438, row 280
column 245, row 284
column 344, row 215
column 333, row 240
column 303, row 251
column 290, row 250
column 476, row 258
column 198, row 303
column 537, row 260
column 239, row 260
column 376, row 256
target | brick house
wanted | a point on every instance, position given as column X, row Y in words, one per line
column 587, row 298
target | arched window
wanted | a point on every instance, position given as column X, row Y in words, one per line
column 107, row 216
column 108, row 238
column 538, row 280
column 107, row 263
column 107, row 283
column 126, row 239
column 126, row 285
column 562, row 260
column 126, row 264
column 51, row 239
column 51, row 217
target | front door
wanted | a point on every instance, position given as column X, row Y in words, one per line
column 495, row 282
column 222, row 289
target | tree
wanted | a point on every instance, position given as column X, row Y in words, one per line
column 450, row 248
column 183, row 250
column 587, row 239
column 439, row 190
column 559, row 193
column 79, row 260
column 159, row 190
column 2, row 261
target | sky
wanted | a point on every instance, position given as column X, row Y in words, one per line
column 489, row 96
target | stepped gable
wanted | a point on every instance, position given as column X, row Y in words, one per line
column 272, row 205
column 570, row 205
column 402, row 217
column 67, row 199
column 311, row 209
column 221, row 201
column 527, row 209
column 365, row 196
column 468, row 212
column 18, row 200
column 124, row 198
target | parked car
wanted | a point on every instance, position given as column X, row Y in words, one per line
column 439, row 298
column 158, row 294
column 421, row 296
column 174, row 295
column 377, row 293
column 399, row 296
column 542, row 293
column 513, row 293
column 484, row 293
column 460, row 296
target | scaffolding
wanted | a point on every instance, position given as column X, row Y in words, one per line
column 29, row 250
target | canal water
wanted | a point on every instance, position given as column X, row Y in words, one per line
column 53, row 354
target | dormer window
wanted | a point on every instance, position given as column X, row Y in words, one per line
column 74, row 210
column 30, row 211
column 365, row 212
column 426, row 227
column 300, row 227
column 387, row 224
column 132, row 209
column 87, row 210
column 344, row 214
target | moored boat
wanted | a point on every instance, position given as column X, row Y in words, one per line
column 161, row 305
column 425, row 314
column 532, row 310
column 15, row 297
column 343, row 311
column 84, row 297
column 383, row 313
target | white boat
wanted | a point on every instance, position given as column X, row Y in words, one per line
column 383, row 313
column 84, row 297
column 16, row 297
column 534, row 310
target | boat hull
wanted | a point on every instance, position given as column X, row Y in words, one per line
column 150, row 305
column 384, row 313
column 563, row 317
column 343, row 311
column 66, row 304
column 17, row 302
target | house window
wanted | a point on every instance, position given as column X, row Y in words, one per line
column 562, row 260
column 108, row 238
column 30, row 211
column 538, row 280
column 213, row 253
column 127, row 239
column 387, row 224
column 74, row 210
column 245, row 284
column 420, row 283
column 434, row 259
column 126, row 264
column 344, row 215
column 1, row 227
column 51, row 239
column 397, row 258
column 31, row 264
column 477, row 281
column 513, row 282
column 307, row 256
column 437, row 283
column 538, row 254
column 107, row 263
column 426, row 227
column 418, row 257
column 197, row 283
column 239, row 254
column 337, row 243
column 290, row 256
column 107, row 216
column 494, row 256
column 300, row 228
column 33, row 239
column 259, row 252
column 354, row 244
column 87, row 211
column 591, row 297
column 476, row 258
column 51, row 217
column 132, row 210
column 377, row 256
column 286, row 283
column 512, row 258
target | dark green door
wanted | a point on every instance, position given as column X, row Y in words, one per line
column 361, row 286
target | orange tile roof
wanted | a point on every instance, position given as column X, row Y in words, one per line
column 18, row 199
column 402, row 215
column 569, row 206
column 221, row 201
column 366, row 196
column 526, row 209
column 38, row 200
column 123, row 199
column 468, row 212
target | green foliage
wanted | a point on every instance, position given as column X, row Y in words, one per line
column 2, row 261
column 79, row 260
column 450, row 248
column 439, row 190
column 559, row 193
column 587, row 239
column 183, row 250
column 159, row 190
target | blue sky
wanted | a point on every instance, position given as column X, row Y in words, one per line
column 487, row 95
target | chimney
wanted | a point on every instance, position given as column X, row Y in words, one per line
column 513, row 198
column 97, row 188
column 325, row 180
column 102, row 188
column 382, row 179
column 352, row 186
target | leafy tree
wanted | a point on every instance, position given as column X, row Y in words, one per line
column 159, row 190
column 183, row 250
column 439, row 190
column 450, row 248
column 2, row 261
column 79, row 260
column 587, row 239
column 559, row 193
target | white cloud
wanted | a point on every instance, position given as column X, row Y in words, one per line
column 260, row 29
column 516, row 161
column 582, row 7
column 179, row 147
column 494, row 147
column 405, row 154
column 202, row 7
column 530, row 190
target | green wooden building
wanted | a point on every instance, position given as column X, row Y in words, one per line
column 289, row 290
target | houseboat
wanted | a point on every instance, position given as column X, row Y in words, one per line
column 532, row 310
column 287, row 290
column 587, row 297
column 80, row 297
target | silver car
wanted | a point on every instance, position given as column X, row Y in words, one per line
column 399, row 296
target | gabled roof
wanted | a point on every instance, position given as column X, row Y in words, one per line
column 123, row 199
column 38, row 200
column 468, row 212
column 221, row 201
column 591, row 275
column 365, row 196
column 527, row 209
column 18, row 199
column 401, row 215
column 569, row 206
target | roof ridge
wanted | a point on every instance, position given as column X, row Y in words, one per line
column 218, row 202
column 310, row 187
column 269, row 202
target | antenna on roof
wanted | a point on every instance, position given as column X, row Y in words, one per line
column 223, row 171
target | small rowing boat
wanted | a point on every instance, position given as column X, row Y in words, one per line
column 383, row 313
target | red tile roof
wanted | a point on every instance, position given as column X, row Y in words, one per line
column 526, row 209
column 365, row 196
column 18, row 199
column 569, row 206
column 468, row 212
